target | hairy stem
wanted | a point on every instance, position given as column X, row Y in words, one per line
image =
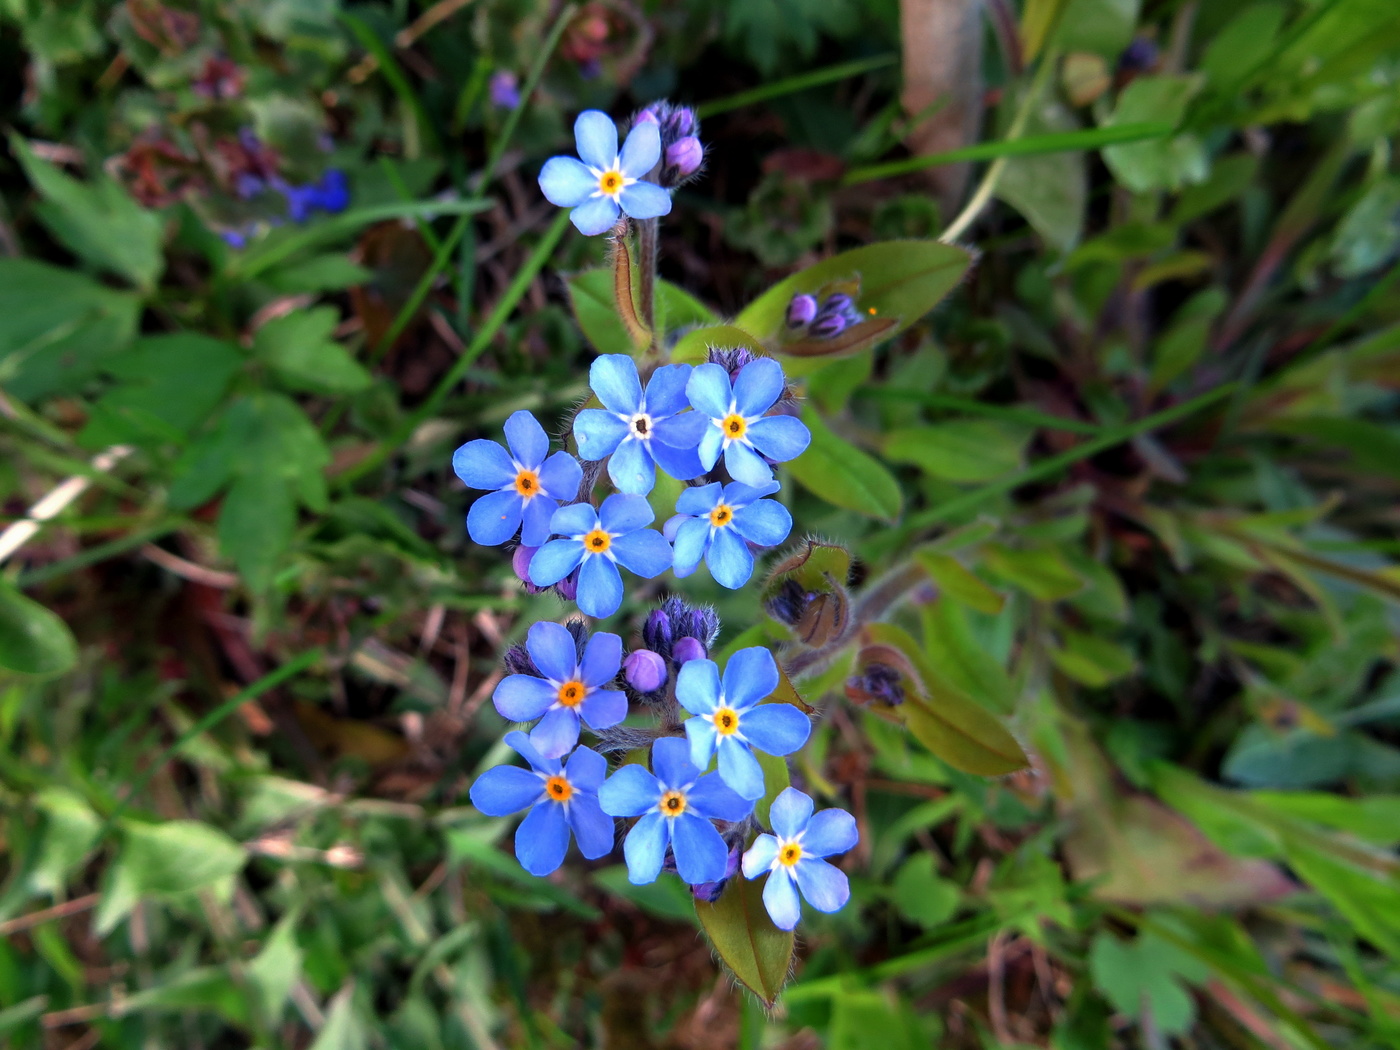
column 648, row 250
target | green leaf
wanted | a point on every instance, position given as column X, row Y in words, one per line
column 70, row 831
column 343, row 1030
column 256, row 524
column 1182, row 345
column 961, row 449
column 868, row 1019
column 1241, row 45
column 959, row 582
column 963, row 659
column 277, row 968
column 756, row 952
column 178, row 856
column 1370, row 904
column 1091, row 660
column 97, row 220
column 22, row 1013
column 33, row 640
column 193, row 991
column 331, row 272
column 844, row 476
column 921, row 896
column 1103, row 27
column 1052, row 189
column 1146, row 974
column 595, row 309
column 665, row 898
column 298, row 346
column 1162, row 164
column 1042, row 572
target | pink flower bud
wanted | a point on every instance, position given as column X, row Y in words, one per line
column 685, row 155
column 687, row 649
column 645, row 671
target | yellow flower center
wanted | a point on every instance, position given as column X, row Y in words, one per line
column 558, row 789
column 571, row 694
column 790, row 854
column 610, row 182
column 721, row 515
column 597, row 541
column 726, row 721
column 527, row 483
column 672, row 804
column 733, row 426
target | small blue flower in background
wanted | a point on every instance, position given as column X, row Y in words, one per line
column 601, row 541
column 331, row 194
column 730, row 719
column 569, row 688
column 792, row 858
column 676, row 804
column 718, row 522
column 504, row 89
column 606, row 182
column 639, row 429
column 738, row 426
column 529, row 486
column 560, row 797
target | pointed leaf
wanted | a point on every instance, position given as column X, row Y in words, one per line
column 844, row 476
column 756, row 952
column 33, row 640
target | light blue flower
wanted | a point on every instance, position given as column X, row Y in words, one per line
column 676, row 805
column 601, row 541
column 792, row 858
column 718, row 522
column 569, row 687
column 606, row 182
column 529, row 486
column 560, row 797
column 640, row 430
column 730, row 719
column 738, row 427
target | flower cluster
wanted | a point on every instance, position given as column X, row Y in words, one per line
column 690, row 784
column 824, row 320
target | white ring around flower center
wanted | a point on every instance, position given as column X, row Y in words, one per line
column 640, row 426
column 611, row 175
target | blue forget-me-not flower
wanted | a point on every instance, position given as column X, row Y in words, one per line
column 569, row 687
column 792, row 858
column 596, row 543
column 738, row 427
column 640, row 429
column 604, row 182
column 718, row 522
column 529, row 483
column 730, row 719
column 676, row 804
column 560, row 796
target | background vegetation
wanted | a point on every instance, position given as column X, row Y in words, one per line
column 1146, row 457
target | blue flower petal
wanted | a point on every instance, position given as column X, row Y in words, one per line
column 623, row 513
column 641, row 150
column 776, row 729
column 603, row 708
column 665, row 394
column 555, row 560
column 780, row 437
column 536, row 514
column 700, row 735
column 629, row 792
column 506, row 789
column 742, row 495
column 598, row 433
column 683, row 430
column 765, row 522
column 528, row 442
column 781, row 900
column 593, row 830
column 542, row 839
column 645, row 848
column 552, row 648
column 560, row 477
column 712, row 797
column 483, row 464
column 644, row 200
column 729, row 559
column 760, row 856
column 700, row 852
column 681, row 463
column 830, row 831
column 523, row 697
column 692, row 540
column 744, row 464
column 520, row 742
column 700, row 500
column 595, row 216
column 790, row 812
column 750, row 675
column 708, row 390
column 595, row 136
column 557, row 732
column 697, row 687
column 739, row 769
column 602, row 657
column 631, row 468
column 709, row 448
column 495, row 517
column 574, row 519
column 586, row 770
column 613, row 377
column 566, row 182
column 599, row 587
column 759, row 384
column 670, row 761
column 825, row 887
column 644, row 553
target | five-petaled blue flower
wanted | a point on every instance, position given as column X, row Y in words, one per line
column 606, row 181
column 792, row 858
column 569, row 688
column 719, row 522
column 729, row 718
column 676, row 805
column 529, row 486
column 640, row 429
column 601, row 540
column 560, row 797
column 738, row 426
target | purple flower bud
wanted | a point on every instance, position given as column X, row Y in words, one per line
column 789, row 602
column 517, row 661
column 687, row 649
column 877, row 682
column 801, row 310
column 656, row 631
column 645, row 670
column 567, row 588
column 648, row 116
column 700, row 623
column 503, row 89
column 520, row 565
column 710, row 891
column 685, row 155
column 836, row 314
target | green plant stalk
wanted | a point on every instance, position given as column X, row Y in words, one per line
column 395, row 76
column 99, row 553
column 979, row 408
column 791, row 85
